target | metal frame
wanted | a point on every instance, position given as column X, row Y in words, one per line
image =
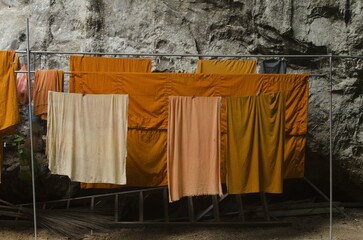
column 215, row 202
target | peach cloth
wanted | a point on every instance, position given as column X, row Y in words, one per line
column 255, row 149
column 22, row 86
column 193, row 147
column 102, row 64
column 148, row 106
column 87, row 137
column 226, row 66
column 9, row 112
column 45, row 81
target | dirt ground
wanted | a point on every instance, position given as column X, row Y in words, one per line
column 311, row 227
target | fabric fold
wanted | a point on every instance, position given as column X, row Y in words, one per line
column 193, row 147
column 87, row 137
column 256, row 141
column 45, row 81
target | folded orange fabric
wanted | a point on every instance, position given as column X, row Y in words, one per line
column 45, row 81
column 255, row 149
column 193, row 147
column 227, row 66
column 102, row 64
column 9, row 113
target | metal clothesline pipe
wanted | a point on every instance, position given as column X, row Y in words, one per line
column 177, row 54
column 331, row 149
column 31, row 131
column 311, row 75
column 192, row 55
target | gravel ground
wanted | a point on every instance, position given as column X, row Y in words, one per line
column 312, row 227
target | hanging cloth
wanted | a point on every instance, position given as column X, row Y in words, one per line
column 193, row 147
column 22, row 86
column 148, row 108
column 255, row 149
column 226, row 66
column 273, row 66
column 9, row 113
column 102, row 64
column 45, row 81
column 86, row 138
column 146, row 160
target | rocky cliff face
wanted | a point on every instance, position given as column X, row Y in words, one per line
column 220, row 27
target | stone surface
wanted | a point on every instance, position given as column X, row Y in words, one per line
column 220, row 27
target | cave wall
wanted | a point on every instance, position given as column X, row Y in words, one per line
column 219, row 27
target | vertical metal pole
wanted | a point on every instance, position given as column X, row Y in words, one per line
column 31, row 127
column 240, row 207
column 331, row 149
column 166, row 205
column 191, row 209
column 141, row 206
column 92, row 203
column 215, row 208
column 265, row 207
column 116, row 208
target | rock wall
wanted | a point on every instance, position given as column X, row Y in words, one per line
column 220, row 27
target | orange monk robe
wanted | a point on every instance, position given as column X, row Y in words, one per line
column 45, row 81
column 255, row 146
column 297, row 105
column 102, row 64
column 9, row 112
column 226, row 66
column 148, row 98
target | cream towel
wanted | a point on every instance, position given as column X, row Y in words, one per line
column 87, row 136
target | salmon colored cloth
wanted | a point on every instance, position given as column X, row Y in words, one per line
column 45, row 81
column 255, row 149
column 102, row 64
column 87, row 136
column 148, row 102
column 9, row 112
column 227, row 66
column 193, row 147
column 22, row 86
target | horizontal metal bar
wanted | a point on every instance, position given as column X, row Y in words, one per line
column 177, row 54
column 222, row 223
column 192, row 55
column 99, row 196
column 311, row 75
